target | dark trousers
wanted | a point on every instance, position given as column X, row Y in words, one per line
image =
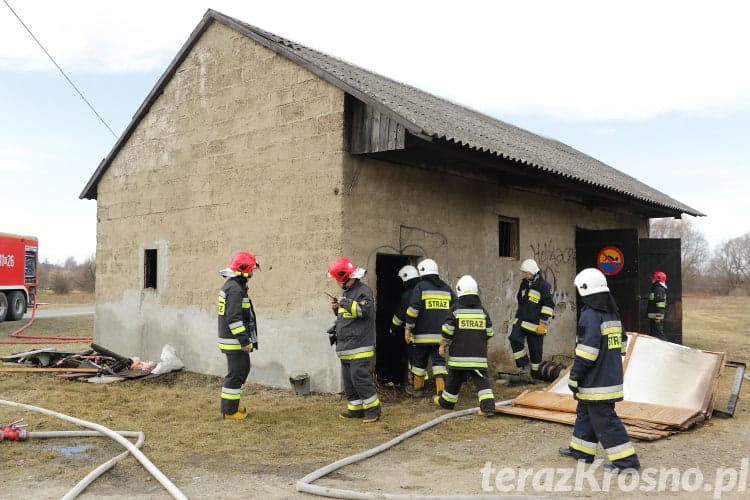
column 238, row 368
column 598, row 423
column 518, row 340
column 361, row 395
column 657, row 329
column 481, row 381
column 420, row 356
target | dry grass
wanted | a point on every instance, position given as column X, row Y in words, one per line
column 287, row 434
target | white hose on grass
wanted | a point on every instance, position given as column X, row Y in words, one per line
column 304, row 485
column 150, row 467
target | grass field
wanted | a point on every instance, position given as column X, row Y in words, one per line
column 179, row 412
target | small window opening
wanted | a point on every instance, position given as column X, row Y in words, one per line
column 149, row 268
column 508, row 237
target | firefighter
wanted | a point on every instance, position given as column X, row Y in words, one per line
column 355, row 340
column 535, row 309
column 238, row 334
column 596, row 378
column 409, row 278
column 430, row 301
column 466, row 331
column 657, row 304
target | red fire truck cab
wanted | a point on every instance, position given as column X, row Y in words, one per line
column 18, row 274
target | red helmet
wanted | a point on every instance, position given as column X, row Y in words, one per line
column 341, row 269
column 659, row 276
column 243, row 264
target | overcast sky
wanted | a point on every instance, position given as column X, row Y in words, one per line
column 657, row 89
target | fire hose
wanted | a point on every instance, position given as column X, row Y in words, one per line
column 47, row 339
column 98, row 430
column 305, row 484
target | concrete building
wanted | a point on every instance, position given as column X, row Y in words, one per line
column 253, row 142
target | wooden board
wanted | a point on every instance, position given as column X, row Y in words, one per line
column 635, row 431
column 625, row 409
column 30, row 369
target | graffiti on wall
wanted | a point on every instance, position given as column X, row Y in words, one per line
column 550, row 259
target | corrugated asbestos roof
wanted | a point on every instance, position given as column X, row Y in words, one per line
column 425, row 114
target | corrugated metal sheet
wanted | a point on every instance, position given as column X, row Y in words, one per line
column 424, row 114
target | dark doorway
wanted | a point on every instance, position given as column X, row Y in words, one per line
column 665, row 255
column 390, row 352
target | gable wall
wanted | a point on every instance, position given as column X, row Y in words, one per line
column 455, row 220
column 242, row 151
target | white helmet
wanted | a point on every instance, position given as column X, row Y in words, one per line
column 427, row 266
column 529, row 266
column 467, row 286
column 407, row 273
column 590, row 281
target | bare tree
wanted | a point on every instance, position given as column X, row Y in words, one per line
column 60, row 282
column 86, row 275
column 695, row 251
column 730, row 266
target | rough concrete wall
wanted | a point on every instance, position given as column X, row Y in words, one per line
column 455, row 221
column 242, row 151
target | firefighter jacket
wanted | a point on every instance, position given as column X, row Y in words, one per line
column 466, row 331
column 399, row 315
column 597, row 368
column 657, row 301
column 535, row 304
column 430, row 302
column 355, row 323
column 237, row 324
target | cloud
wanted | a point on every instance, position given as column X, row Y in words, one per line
column 589, row 60
column 11, row 165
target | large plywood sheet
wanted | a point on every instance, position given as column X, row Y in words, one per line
column 667, row 387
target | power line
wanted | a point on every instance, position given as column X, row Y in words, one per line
column 61, row 70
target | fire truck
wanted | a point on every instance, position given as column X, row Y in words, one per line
column 18, row 274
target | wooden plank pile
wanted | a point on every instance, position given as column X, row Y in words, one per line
column 668, row 388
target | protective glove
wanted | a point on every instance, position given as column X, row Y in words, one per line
column 332, row 335
column 441, row 351
column 407, row 335
column 541, row 329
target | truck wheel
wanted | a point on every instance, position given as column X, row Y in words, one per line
column 3, row 306
column 16, row 306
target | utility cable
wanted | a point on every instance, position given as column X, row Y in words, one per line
column 61, row 70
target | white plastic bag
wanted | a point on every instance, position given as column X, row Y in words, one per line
column 169, row 361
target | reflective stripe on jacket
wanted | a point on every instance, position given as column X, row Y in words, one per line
column 598, row 360
column 657, row 301
column 428, row 306
column 466, row 331
column 535, row 303
column 355, row 323
column 237, row 323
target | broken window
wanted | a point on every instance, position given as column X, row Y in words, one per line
column 508, row 237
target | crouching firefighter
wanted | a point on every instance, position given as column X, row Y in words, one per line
column 354, row 337
column 466, row 331
column 238, row 334
column 596, row 378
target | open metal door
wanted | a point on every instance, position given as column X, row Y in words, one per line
column 615, row 253
column 665, row 255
